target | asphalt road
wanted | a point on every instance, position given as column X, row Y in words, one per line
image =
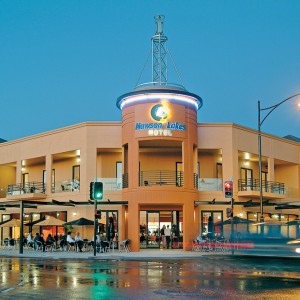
column 210, row 277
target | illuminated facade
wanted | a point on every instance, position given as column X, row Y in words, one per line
column 158, row 167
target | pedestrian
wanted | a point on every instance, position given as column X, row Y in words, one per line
column 210, row 228
column 163, row 237
column 168, row 235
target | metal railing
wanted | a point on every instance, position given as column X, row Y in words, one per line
column 26, row 188
column 161, row 177
column 66, row 186
column 111, row 184
column 267, row 186
column 210, row 184
column 125, row 180
column 196, row 180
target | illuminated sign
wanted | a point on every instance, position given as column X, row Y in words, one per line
column 159, row 112
column 162, row 127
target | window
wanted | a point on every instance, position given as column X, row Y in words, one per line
column 212, row 223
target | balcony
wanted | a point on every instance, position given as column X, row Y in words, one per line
column 271, row 189
column 111, row 184
column 210, row 184
column 29, row 190
column 66, row 186
column 161, row 178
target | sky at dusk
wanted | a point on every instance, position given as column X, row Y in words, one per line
column 66, row 62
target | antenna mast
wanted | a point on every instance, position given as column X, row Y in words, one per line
column 159, row 54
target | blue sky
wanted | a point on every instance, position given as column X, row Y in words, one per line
column 66, row 62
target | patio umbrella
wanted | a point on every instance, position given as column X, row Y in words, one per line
column 11, row 223
column 294, row 222
column 80, row 222
column 236, row 220
column 51, row 221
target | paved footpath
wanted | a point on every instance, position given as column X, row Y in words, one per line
column 143, row 254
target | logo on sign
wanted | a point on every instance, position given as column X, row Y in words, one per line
column 159, row 112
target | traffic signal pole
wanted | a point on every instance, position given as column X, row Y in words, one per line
column 232, row 228
column 92, row 188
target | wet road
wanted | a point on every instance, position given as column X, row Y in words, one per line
column 202, row 278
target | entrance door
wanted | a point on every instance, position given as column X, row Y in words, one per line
column 153, row 230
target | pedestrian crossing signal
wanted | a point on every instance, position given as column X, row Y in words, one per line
column 98, row 214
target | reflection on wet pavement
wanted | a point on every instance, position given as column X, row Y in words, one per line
column 202, row 278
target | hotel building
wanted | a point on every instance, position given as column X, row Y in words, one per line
column 158, row 167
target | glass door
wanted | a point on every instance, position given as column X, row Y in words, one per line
column 153, row 229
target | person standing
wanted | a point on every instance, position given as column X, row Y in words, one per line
column 168, row 235
column 163, row 237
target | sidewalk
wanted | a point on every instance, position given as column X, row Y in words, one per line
column 144, row 254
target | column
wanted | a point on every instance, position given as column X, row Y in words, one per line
column 189, row 228
column 133, row 218
column 49, row 182
column 270, row 169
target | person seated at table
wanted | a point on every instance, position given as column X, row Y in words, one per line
column 29, row 240
column 104, row 244
column 42, row 241
column 78, row 241
column 36, row 241
column 200, row 239
column 50, row 240
column 70, row 240
column 11, row 241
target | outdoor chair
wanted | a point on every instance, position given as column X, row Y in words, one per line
column 124, row 246
column 196, row 246
column 38, row 246
column 63, row 245
column 49, row 246
column 70, row 246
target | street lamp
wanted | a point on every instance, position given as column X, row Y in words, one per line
column 260, row 122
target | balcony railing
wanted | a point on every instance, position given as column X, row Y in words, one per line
column 161, row 177
column 26, row 188
column 196, row 180
column 111, row 184
column 66, row 186
column 210, row 184
column 267, row 186
column 125, row 180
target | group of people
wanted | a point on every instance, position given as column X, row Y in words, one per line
column 102, row 244
column 39, row 242
column 77, row 242
column 165, row 234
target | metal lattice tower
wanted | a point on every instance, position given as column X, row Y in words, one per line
column 159, row 54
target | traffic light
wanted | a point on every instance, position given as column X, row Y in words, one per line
column 98, row 214
column 228, row 189
column 96, row 190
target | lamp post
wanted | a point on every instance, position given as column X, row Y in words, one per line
column 270, row 109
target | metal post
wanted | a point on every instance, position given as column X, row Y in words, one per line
column 95, row 227
column 21, row 227
column 260, row 166
column 232, row 228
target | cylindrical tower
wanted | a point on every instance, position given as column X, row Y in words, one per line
column 160, row 170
